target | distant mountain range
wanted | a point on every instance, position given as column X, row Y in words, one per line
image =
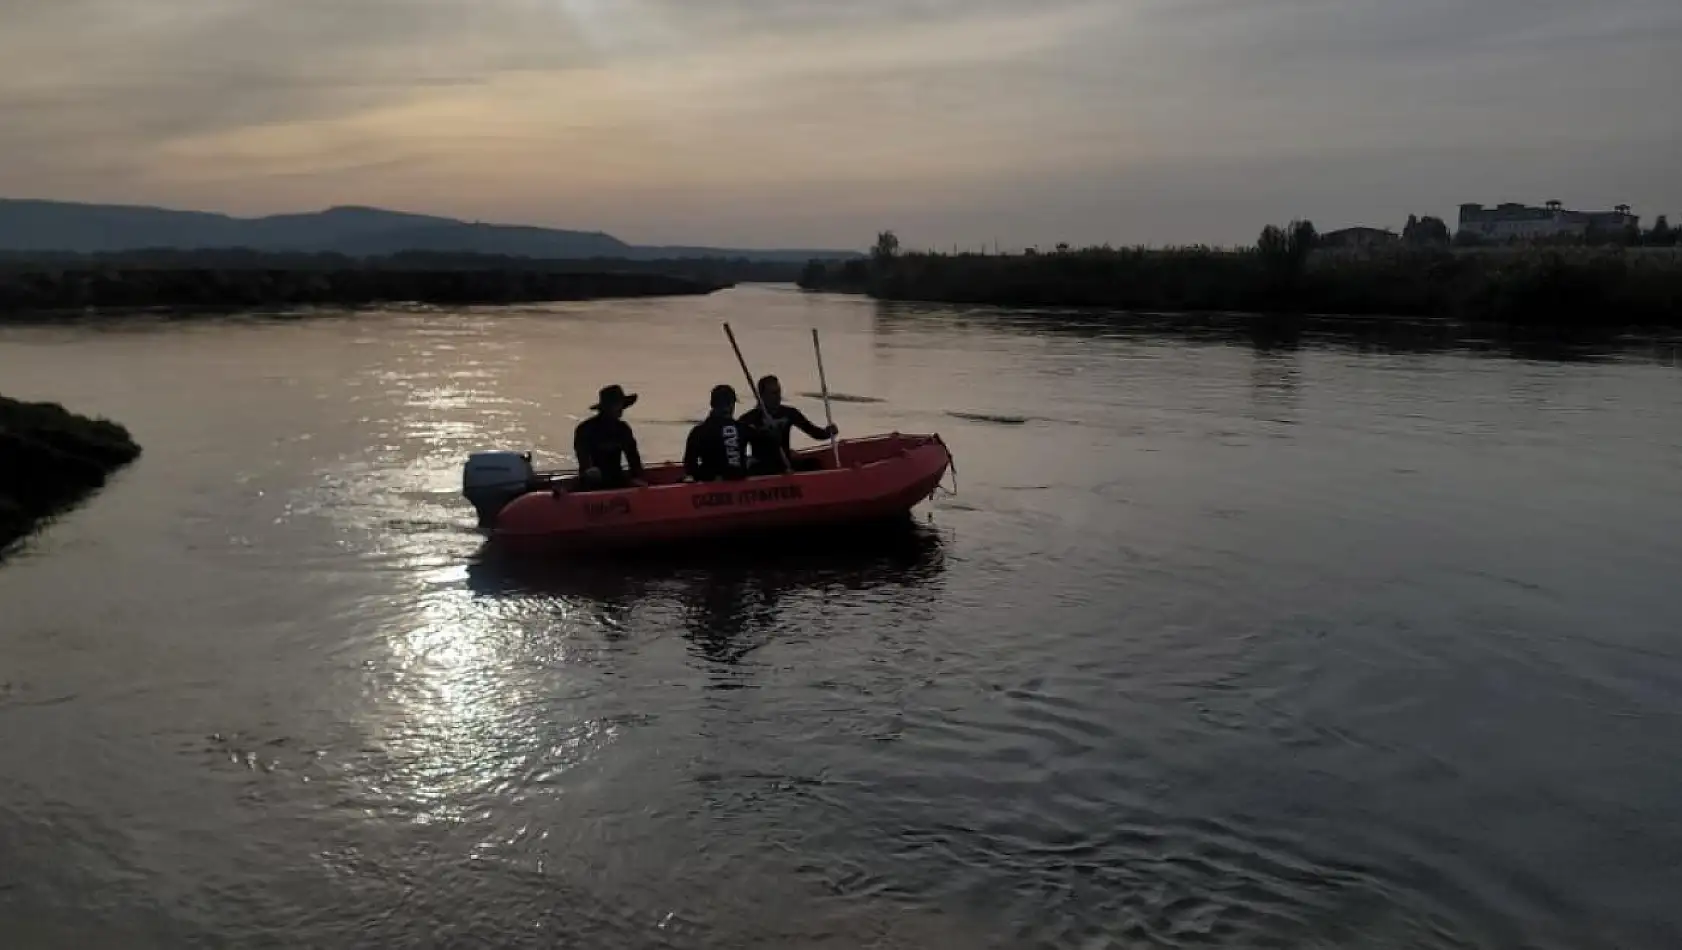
column 41, row 226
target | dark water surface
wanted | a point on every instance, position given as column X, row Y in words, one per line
column 1217, row 646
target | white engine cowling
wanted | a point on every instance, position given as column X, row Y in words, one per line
column 490, row 480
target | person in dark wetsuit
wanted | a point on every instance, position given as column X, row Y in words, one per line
column 605, row 444
column 770, row 442
column 717, row 448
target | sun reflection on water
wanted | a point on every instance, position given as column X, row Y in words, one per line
column 473, row 717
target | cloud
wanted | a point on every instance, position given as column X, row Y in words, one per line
column 670, row 119
column 854, row 108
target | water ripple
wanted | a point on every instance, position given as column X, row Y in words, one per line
column 1225, row 646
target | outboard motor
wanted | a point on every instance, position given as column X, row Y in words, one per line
column 490, row 480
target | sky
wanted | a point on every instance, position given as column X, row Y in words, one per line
column 817, row 123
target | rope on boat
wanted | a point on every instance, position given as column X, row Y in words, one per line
column 952, row 465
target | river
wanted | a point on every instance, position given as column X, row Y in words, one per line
column 1216, row 645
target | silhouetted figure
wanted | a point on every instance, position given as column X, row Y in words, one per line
column 605, row 445
column 769, row 440
column 717, row 448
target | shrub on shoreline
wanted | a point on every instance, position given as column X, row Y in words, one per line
column 52, row 458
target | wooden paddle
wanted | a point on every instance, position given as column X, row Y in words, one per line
column 770, row 423
column 823, row 383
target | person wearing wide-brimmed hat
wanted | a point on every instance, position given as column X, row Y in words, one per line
column 604, row 443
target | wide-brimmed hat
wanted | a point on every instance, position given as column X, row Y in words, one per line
column 614, row 394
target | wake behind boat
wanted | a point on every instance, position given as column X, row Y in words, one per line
column 853, row 482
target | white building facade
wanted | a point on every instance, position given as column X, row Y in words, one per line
column 1517, row 222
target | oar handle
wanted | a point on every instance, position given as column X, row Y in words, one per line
column 823, row 384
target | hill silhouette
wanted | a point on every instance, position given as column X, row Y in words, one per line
column 30, row 225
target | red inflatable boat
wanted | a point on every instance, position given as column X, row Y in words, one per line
column 878, row 479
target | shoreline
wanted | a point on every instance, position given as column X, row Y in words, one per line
column 1575, row 289
column 41, row 289
column 55, row 460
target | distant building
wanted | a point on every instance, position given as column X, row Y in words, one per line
column 1359, row 238
column 1516, row 222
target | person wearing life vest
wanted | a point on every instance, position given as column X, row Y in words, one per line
column 769, row 439
column 717, row 448
column 605, row 445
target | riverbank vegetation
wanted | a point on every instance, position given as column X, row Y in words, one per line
column 50, row 459
column 167, row 278
column 1287, row 272
column 711, row 269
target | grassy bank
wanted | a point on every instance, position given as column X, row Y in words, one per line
column 36, row 285
column 1576, row 287
column 708, row 270
column 50, row 459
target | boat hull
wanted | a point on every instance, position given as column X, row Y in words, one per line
column 879, row 479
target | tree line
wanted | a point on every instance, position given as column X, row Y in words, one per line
column 1426, row 231
column 712, row 269
column 1285, row 272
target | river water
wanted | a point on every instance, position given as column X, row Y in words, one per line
column 1217, row 645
